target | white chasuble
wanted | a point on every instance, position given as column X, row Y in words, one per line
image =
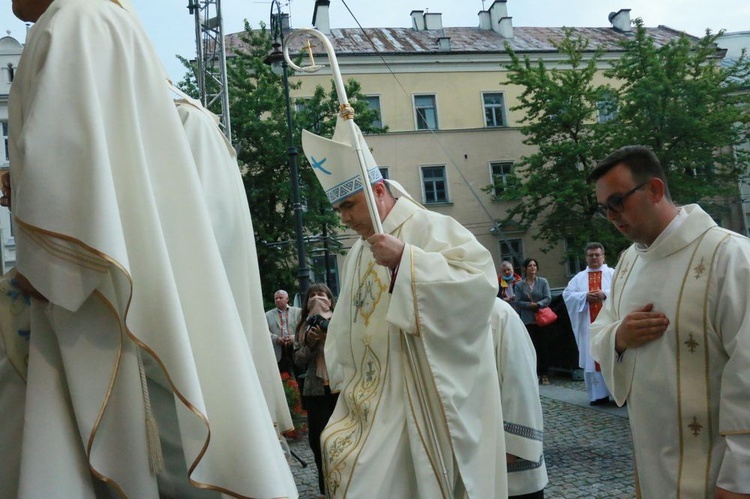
column 689, row 390
column 522, row 409
column 232, row 224
column 419, row 412
column 113, row 229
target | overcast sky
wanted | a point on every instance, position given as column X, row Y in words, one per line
column 172, row 28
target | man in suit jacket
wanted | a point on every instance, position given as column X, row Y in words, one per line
column 282, row 321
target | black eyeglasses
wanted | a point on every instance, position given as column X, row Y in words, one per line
column 616, row 202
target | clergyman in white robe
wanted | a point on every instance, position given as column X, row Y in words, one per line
column 112, row 229
column 579, row 311
column 688, row 392
column 522, row 409
column 232, row 224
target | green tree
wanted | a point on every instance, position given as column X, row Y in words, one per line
column 675, row 98
column 259, row 128
column 559, row 107
column 679, row 100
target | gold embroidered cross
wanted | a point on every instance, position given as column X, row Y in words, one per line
column 691, row 343
column 699, row 269
column 624, row 271
column 309, row 46
column 695, row 426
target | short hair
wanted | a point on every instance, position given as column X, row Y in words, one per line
column 282, row 292
column 593, row 245
column 528, row 261
column 640, row 160
column 506, row 263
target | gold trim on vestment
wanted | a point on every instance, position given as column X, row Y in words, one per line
column 361, row 397
column 35, row 233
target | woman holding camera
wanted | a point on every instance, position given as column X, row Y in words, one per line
column 310, row 337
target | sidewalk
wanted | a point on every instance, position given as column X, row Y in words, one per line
column 588, row 449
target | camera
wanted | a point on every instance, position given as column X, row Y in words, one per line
column 317, row 320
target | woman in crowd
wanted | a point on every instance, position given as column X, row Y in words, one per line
column 532, row 293
column 310, row 337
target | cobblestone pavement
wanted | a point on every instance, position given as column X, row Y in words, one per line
column 588, row 449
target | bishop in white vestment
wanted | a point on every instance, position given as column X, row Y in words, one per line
column 419, row 412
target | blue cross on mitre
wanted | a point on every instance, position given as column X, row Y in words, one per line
column 318, row 164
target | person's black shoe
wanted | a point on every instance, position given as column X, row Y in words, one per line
column 601, row 401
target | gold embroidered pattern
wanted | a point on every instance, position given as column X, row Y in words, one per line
column 695, row 427
column 349, row 433
column 624, row 271
column 699, row 269
column 369, row 291
column 691, row 343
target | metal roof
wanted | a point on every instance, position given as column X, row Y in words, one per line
column 408, row 41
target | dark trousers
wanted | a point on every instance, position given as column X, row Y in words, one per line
column 541, row 337
column 319, row 410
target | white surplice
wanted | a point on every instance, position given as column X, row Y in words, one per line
column 574, row 295
column 232, row 224
column 419, row 413
column 519, row 391
column 688, row 392
column 113, row 230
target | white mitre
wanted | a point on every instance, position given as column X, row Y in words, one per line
column 335, row 162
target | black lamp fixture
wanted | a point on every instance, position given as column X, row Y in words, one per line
column 276, row 60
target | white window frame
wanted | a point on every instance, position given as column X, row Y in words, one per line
column 486, row 106
column 503, row 176
column 424, row 190
column 369, row 99
column 508, row 255
column 417, row 109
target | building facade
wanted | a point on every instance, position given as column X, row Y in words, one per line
column 443, row 94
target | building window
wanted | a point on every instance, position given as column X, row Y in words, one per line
column 426, row 110
column 373, row 102
column 494, row 109
column 512, row 251
column 500, row 172
column 434, row 185
column 6, row 153
column 384, row 172
column 606, row 109
column 576, row 260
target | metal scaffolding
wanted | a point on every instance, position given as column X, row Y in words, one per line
column 211, row 61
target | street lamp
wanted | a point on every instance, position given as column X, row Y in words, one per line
column 278, row 64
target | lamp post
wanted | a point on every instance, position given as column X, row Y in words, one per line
column 278, row 64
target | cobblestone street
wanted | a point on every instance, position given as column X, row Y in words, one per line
column 588, row 449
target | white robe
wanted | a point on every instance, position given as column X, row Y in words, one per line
column 112, row 229
column 672, row 404
column 519, row 391
column 574, row 295
column 232, row 224
column 378, row 441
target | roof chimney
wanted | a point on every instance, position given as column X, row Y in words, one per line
column 444, row 43
column 498, row 10
column 621, row 20
column 417, row 20
column 320, row 16
column 484, row 19
column 505, row 27
column 433, row 20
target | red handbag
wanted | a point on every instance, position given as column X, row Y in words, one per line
column 545, row 316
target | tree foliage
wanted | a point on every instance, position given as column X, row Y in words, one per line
column 259, row 128
column 675, row 98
